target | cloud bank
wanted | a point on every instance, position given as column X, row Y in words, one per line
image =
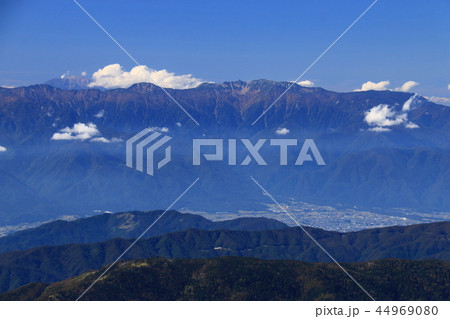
column 383, row 86
column 113, row 76
column 83, row 132
column 79, row 131
column 383, row 116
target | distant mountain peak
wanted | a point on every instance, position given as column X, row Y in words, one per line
column 144, row 87
column 70, row 82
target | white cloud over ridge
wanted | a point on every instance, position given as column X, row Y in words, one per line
column 83, row 132
column 2, row 149
column 383, row 86
column 405, row 87
column 113, row 76
column 306, row 83
column 407, row 105
column 79, row 131
column 383, row 115
column 369, row 86
column 282, row 131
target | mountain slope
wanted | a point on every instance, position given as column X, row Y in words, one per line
column 233, row 278
column 53, row 263
column 125, row 225
column 403, row 167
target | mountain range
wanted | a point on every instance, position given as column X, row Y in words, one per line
column 70, row 252
column 65, row 149
column 128, row 225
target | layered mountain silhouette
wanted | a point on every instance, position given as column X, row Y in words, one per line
column 124, row 225
column 237, row 278
column 53, row 263
column 403, row 163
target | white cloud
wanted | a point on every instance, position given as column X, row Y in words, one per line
column 65, row 74
column 178, row 124
column 383, row 115
column 448, row 86
column 383, row 86
column 405, row 87
column 8, row 87
column 105, row 140
column 83, row 73
column 100, row 114
column 159, row 129
column 379, row 129
column 101, row 140
column 407, row 105
column 113, row 76
column 79, row 131
column 379, row 86
column 83, row 132
column 282, row 131
column 411, row 125
column 306, row 83
column 440, row 100
column 2, row 149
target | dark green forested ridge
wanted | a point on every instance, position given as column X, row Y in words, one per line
column 54, row 263
column 125, row 225
column 237, row 278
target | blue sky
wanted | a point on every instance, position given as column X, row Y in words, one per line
column 398, row 40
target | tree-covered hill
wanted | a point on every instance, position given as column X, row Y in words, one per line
column 54, row 263
column 237, row 278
